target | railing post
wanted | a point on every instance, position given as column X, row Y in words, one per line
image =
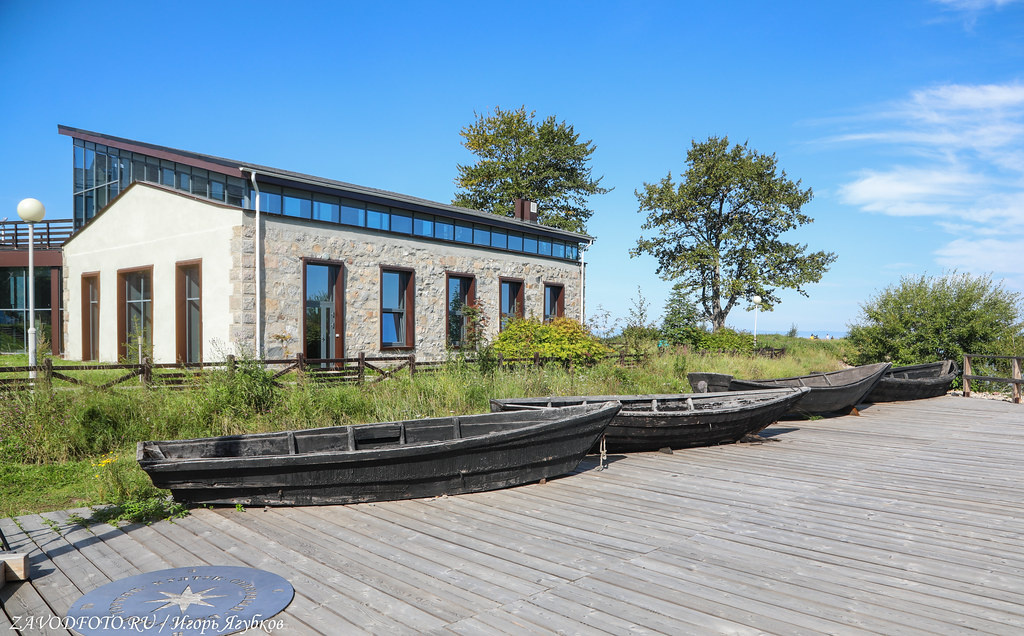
column 300, row 362
column 231, row 366
column 967, row 372
column 48, row 370
column 536, row 359
column 1016, row 374
column 412, row 364
column 501, row 361
column 361, row 366
column 147, row 371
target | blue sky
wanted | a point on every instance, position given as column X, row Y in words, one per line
column 906, row 118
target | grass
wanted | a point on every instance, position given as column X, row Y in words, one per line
column 75, row 447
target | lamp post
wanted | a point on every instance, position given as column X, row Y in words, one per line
column 757, row 305
column 31, row 211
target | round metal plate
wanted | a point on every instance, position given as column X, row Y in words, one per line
column 208, row 600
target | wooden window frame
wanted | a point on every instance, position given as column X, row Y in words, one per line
column 181, row 308
column 559, row 304
column 122, row 299
column 410, row 308
column 520, row 299
column 87, row 342
column 339, row 306
column 470, row 299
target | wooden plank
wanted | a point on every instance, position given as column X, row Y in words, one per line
column 59, row 572
column 182, row 548
column 411, row 589
column 369, row 607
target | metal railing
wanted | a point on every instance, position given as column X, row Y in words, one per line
column 47, row 235
column 1014, row 381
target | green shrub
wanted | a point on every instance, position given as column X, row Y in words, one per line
column 924, row 319
column 562, row 339
column 725, row 339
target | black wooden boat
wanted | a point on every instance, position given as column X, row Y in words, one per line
column 377, row 462
column 652, row 422
column 832, row 391
column 914, row 382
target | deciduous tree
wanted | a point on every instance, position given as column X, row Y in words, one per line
column 718, row 231
column 522, row 158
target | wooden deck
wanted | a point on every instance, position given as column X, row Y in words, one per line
column 906, row 520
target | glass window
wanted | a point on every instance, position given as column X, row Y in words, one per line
column 353, row 212
column 200, row 182
column 553, row 304
column 515, row 241
column 401, row 222
column 90, row 163
column 184, row 177
column 321, row 328
column 460, row 294
column 499, row 239
column 126, row 167
column 571, row 251
column 558, row 249
column 544, row 247
column 530, row 244
column 481, row 235
column 396, row 308
column 463, row 232
column 326, row 208
column 90, row 317
column 168, row 176
column 377, row 217
column 444, row 230
column 79, row 169
column 236, row 192
column 217, row 189
column 423, row 225
column 153, row 172
column 138, row 314
column 297, row 203
column 189, row 314
column 511, row 301
column 270, row 199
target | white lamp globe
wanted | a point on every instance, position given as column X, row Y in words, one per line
column 756, row 300
column 31, row 210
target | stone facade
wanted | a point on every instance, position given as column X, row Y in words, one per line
column 286, row 242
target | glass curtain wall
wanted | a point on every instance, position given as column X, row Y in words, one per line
column 14, row 320
column 102, row 172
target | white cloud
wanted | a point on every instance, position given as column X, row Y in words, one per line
column 958, row 160
column 975, row 5
column 983, row 255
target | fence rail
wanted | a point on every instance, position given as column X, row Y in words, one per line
column 1014, row 381
column 47, row 235
column 361, row 369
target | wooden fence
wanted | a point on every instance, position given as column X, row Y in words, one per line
column 1014, row 381
column 361, row 369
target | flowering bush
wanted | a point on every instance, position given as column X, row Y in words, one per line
column 562, row 339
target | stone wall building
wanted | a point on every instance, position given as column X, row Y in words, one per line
column 193, row 257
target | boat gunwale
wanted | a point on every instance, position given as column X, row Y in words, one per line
column 379, row 453
column 771, row 396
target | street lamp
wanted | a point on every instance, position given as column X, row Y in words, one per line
column 31, row 211
column 757, row 304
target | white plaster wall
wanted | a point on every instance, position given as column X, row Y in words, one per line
column 150, row 226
